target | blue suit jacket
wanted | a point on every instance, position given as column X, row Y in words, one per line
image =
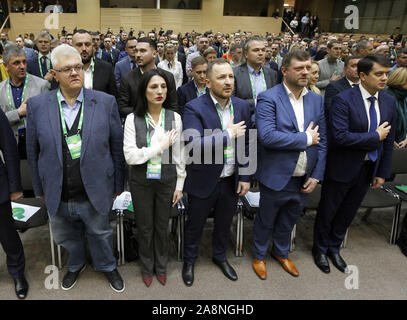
column 349, row 139
column 102, row 160
column 280, row 140
column 185, row 93
column 108, row 57
column 121, row 68
column 200, row 114
column 33, row 67
column 29, row 53
column 10, row 179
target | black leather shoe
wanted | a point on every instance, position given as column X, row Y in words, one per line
column 226, row 268
column 70, row 278
column 115, row 280
column 338, row 262
column 321, row 261
column 188, row 274
column 21, row 286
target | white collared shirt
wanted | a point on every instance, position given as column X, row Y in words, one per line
column 366, row 95
column 298, row 106
column 228, row 169
column 352, row 83
column 88, row 83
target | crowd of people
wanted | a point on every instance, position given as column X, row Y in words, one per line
column 94, row 115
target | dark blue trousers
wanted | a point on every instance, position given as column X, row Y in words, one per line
column 224, row 201
column 337, row 208
column 278, row 213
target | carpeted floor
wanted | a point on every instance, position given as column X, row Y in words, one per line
column 381, row 268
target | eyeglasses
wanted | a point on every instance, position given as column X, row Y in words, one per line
column 68, row 70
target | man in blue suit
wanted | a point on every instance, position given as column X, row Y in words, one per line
column 350, row 80
column 216, row 184
column 75, row 153
column 109, row 54
column 11, row 190
column 128, row 63
column 362, row 122
column 196, row 87
column 292, row 154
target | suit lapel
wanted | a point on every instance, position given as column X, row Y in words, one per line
column 88, row 112
column 287, row 106
column 246, row 77
column 360, row 106
column 212, row 111
column 307, row 111
column 382, row 109
column 55, row 120
column 267, row 78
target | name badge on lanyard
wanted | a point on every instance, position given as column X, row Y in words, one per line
column 228, row 152
column 154, row 164
column 74, row 142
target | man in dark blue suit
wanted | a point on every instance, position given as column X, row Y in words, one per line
column 196, row 87
column 11, row 190
column 292, row 154
column 109, row 54
column 350, row 80
column 128, row 63
column 362, row 122
column 216, row 184
column 75, row 153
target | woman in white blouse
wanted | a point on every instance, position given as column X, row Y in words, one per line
column 171, row 64
column 154, row 152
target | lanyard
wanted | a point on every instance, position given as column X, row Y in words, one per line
column 9, row 93
column 62, row 115
column 162, row 115
column 40, row 65
column 252, row 83
column 220, row 115
column 200, row 93
column 100, row 53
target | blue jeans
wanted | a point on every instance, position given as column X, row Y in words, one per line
column 72, row 221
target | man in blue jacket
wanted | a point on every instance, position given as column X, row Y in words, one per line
column 75, row 153
column 292, row 153
column 362, row 122
column 216, row 176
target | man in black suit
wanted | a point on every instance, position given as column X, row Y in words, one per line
column 350, row 80
column 196, row 87
column 11, row 190
column 146, row 51
column 99, row 74
column 251, row 78
column 109, row 54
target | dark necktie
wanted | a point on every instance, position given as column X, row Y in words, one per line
column 373, row 125
column 169, row 65
column 44, row 65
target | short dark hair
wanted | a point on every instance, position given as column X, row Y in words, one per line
column 297, row 54
column 152, row 43
column 332, row 43
column 214, row 62
column 130, row 39
column 142, row 104
column 349, row 58
column 234, row 46
column 365, row 65
column 82, row 31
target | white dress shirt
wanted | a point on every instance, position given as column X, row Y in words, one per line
column 228, row 169
column 298, row 106
column 176, row 70
column 137, row 156
column 366, row 95
column 88, row 83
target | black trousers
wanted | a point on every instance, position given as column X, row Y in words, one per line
column 10, row 241
column 337, row 208
column 224, row 201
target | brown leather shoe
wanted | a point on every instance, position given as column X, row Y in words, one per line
column 287, row 265
column 259, row 266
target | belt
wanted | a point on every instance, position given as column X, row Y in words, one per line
column 224, row 179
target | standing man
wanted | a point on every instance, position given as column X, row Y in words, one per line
column 146, row 51
column 202, row 45
column 98, row 73
column 286, row 45
column 40, row 64
column 362, row 123
column 29, row 53
column 4, row 42
column 251, row 78
column 350, row 80
column 128, row 63
column 215, row 185
column 401, row 59
column 331, row 67
column 292, row 153
column 11, row 190
column 121, row 44
column 75, row 153
column 196, row 87
column 15, row 91
column 108, row 53
column 235, row 55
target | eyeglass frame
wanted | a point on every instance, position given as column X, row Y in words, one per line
column 68, row 72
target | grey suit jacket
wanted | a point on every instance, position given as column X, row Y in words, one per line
column 325, row 74
column 243, row 87
column 35, row 86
